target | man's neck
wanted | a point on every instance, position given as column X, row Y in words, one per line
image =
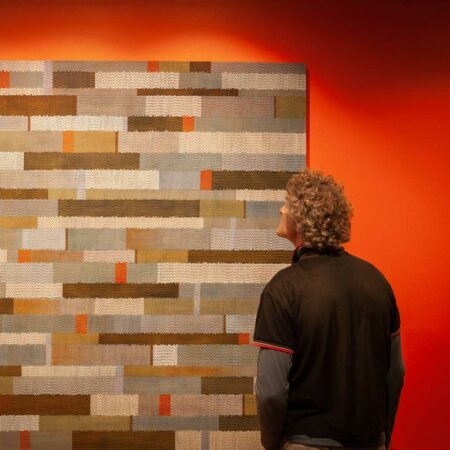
column 297, row 242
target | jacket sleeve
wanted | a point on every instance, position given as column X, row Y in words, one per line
column 271, row 389
column 395, row 380
column 274, row 327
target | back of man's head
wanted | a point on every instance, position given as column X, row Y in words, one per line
column 321, row 211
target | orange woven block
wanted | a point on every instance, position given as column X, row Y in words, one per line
column 121, row 272
column 164, row 405
column 206, row 180
column 81, row 323
column 188, row 123
column 4, row 79
column 152, row 66
column 25, row 440
column 68, row 141
column 244, row 338
column 23, row 255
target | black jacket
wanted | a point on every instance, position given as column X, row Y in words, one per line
column 334, row 317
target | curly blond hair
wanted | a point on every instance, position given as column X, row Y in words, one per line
column 319, row 208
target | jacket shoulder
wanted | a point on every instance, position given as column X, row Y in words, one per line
column 369, row 268
column 283, row 279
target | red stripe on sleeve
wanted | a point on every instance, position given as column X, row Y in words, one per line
column 273, row 347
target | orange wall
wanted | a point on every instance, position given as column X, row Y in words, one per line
column 379, row 76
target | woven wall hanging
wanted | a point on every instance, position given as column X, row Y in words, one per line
column 138, row 207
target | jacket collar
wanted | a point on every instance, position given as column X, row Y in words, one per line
column 301, row 251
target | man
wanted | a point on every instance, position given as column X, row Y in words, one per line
column 330, row 368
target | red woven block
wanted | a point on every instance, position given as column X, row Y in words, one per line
column 164, row 405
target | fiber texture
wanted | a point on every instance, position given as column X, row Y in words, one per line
column 138, row 207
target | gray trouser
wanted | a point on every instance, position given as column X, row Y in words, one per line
column 294, row 446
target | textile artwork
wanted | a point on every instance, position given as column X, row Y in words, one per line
column 138, row 207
